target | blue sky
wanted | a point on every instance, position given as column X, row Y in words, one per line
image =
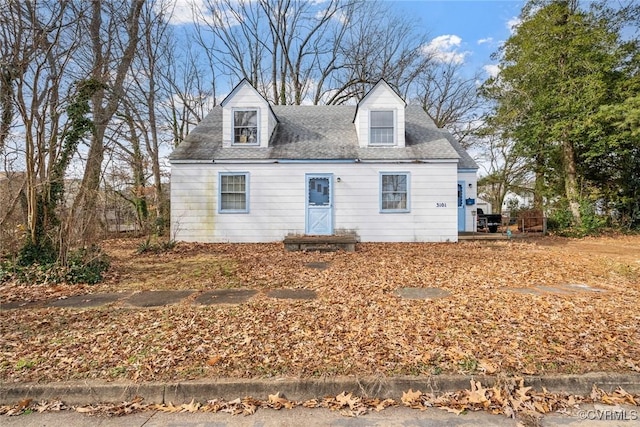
column 471, row 29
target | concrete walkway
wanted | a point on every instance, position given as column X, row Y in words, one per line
column 146, row 299
column 587, row 415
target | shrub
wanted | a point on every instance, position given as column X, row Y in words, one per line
column 592, row 222
column 147, row 246
column 85, row 265
column 560, row 218
column 32, row 253
column 6, row 271
column 561, row 221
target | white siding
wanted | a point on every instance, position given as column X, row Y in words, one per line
column 381, row 97
column 277, row 202
column 470, row 193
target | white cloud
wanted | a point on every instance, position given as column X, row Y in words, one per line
column 445, row 49
column 487, row 40
column 492, row 69
column 446, row 41
column 513, row 23
column 182, row 11
column 189, row 12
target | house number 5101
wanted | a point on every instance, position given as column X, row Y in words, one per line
column 441, row 205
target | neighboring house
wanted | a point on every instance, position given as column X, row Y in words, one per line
column 252, row 172
column 13, row 211
column 484, row 205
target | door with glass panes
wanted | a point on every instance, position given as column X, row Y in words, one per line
column 319, row 204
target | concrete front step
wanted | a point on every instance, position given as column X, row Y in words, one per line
column 345, row 242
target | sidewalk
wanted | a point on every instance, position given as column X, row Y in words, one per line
column 587, row 415
column 92, row 393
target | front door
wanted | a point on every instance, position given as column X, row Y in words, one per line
column 461, row 208
column 319, row 195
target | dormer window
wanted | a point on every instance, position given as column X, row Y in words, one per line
column 381, row 129
column 245, row 126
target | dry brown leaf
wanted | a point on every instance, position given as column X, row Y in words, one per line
column 487, row 367
column 348, row 400
column 477, row 393
column 456, row 411
column 277, row 402
column 214, row 360
column 193, row 406
column 312, row 403
column 411, row 398
column 354, row 329
column 381, row 405
column 24, row 403
column 54, row 406
column 249, row 406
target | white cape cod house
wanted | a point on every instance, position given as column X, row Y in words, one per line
column 252, row 172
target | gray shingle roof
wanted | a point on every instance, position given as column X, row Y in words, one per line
column 322, row 132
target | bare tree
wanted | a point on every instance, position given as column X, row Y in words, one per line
column 152, row 57
column 450, row 99
column 113, row 29
column 189, row 95
column 505, row 170
column 43, row 38
column 378, row 44
column 294, row 51
column 299, row 41
column 232, row 34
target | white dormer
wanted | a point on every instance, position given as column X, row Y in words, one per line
column 379, row 118
column 247, row 118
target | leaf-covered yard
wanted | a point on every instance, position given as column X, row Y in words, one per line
column 508, row 312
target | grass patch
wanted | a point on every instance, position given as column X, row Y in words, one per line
column 25, row 364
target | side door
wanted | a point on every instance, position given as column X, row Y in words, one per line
column 461, row 207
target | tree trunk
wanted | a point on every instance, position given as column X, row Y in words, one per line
column 6, row 103
column 570, row 179
column 538, row 191
column 104, row 107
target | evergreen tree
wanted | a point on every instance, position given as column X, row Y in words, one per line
column 561, row 72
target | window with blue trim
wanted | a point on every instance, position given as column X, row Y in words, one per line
column 245, row 127
column 381, row 127
column 233, row 193
column 394, row 192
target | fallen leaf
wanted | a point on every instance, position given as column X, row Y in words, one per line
column 487, row 367
column 348, row 400
column 411, row 398
column 278, row 402
column 456, row 411
column 24, row 403
column 477, row 393
column 191, row 407
column 214, row 360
